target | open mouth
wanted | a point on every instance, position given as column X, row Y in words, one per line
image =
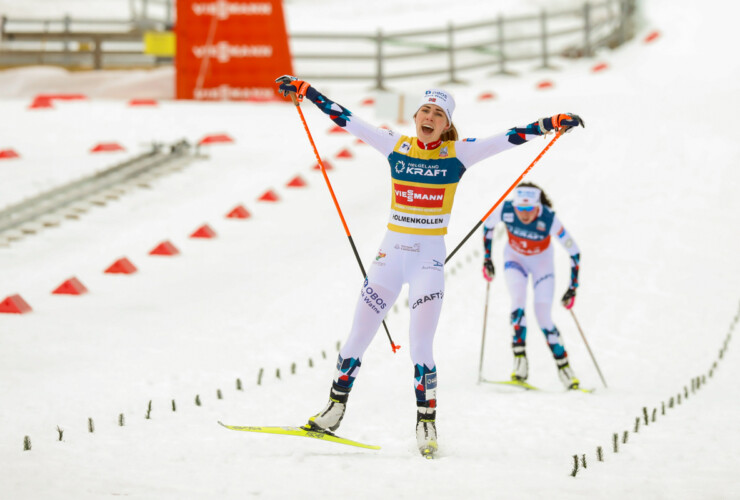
column 427, row 128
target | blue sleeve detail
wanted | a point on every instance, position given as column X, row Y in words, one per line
column 575, row 261
column 487, row 242
column 338, row 113
column 518, row 135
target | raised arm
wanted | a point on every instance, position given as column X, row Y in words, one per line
column 471, row 151
column 381, row 139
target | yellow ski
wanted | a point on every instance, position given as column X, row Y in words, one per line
column 300, row 431
column 524, row 385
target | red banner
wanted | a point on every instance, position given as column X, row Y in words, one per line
column 230, row 49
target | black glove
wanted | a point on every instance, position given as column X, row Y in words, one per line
column 565, row 121
column 569, row 298
column 488, row 270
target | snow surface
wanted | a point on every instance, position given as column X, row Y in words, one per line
column 648, row 189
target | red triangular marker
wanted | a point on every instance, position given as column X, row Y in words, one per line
column 41, row 102
column 327, row 165
column 165, row 248
column 121, row 266
column 71, row 287
column 212, row 139
column 106, row 147
column 269, row 195
column 545, row 84
column 7, row 154
column 14, row 304
column 486, row 96
column 239, row 212
column 345, row 153
column 297, row 181
column 204, row 231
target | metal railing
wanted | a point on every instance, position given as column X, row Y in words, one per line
column 494, row 45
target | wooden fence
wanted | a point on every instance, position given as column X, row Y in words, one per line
column 495, row 45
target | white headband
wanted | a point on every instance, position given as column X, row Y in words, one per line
column 527, row 196
column 439, row 98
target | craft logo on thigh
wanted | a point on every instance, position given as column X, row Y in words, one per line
column 428, row 298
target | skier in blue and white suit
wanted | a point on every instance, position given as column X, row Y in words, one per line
column 530, row 225
column 424, row 171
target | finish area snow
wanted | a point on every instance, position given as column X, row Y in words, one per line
column 647, row 189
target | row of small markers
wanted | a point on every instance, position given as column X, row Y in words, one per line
column 15, row 304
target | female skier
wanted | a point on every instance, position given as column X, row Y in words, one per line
column 530, row 223
column 424, row 172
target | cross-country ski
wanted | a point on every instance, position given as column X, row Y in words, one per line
column 300, row 431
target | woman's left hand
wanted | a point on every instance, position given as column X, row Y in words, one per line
column 569, row 298
column 567, row 121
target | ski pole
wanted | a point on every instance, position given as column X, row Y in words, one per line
column 511, row 188
column 336, row 204
column 483, row 339
column 587, row 347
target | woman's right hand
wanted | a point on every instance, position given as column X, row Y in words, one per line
column 290, row 84
column 488, row 270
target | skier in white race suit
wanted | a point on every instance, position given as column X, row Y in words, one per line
column 531, row 224
column 424, row 174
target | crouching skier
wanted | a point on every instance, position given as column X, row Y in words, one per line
column 424, row 172
column 530, row 223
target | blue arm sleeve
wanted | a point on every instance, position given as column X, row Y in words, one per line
column 338, row 113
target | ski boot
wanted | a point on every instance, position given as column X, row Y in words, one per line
column 521, row 365
column 329, row 418
column 426, row 431
column 566, row 374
